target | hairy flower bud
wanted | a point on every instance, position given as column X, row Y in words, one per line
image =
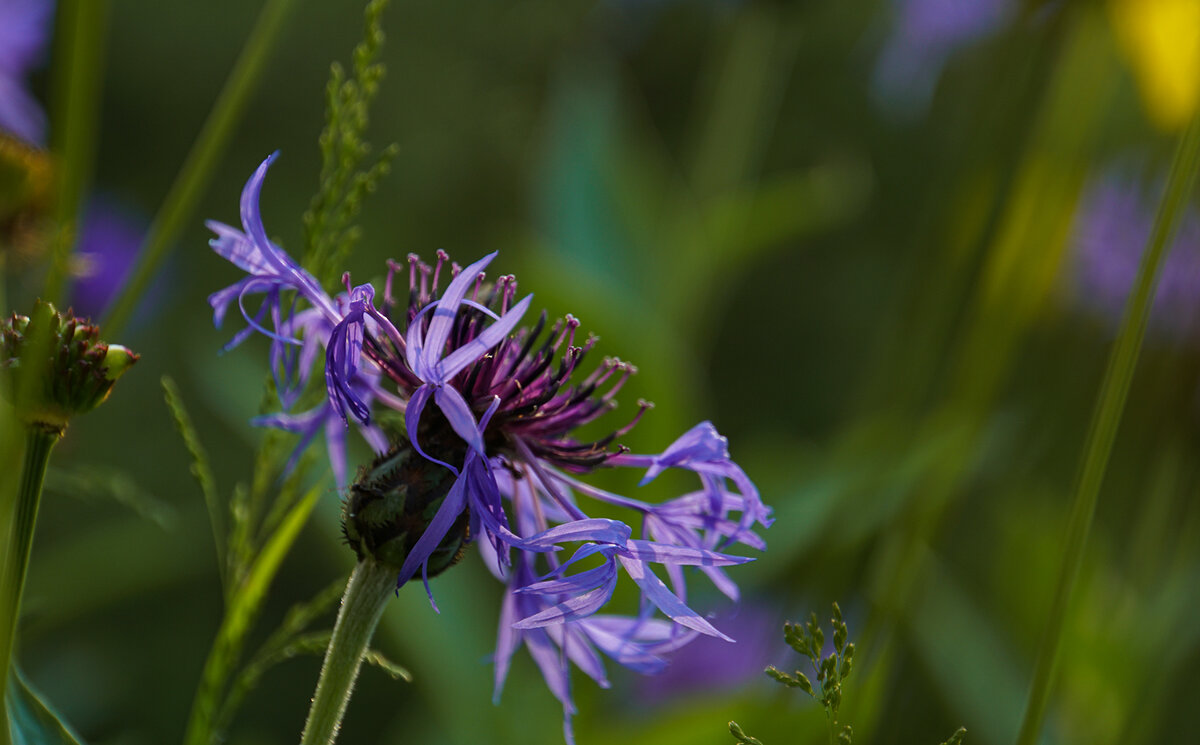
column 394, row 500
column 53, row 366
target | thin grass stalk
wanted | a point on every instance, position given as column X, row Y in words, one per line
column 39, row 442
column 197, row 170
column 1106, row 418
column 76, row 82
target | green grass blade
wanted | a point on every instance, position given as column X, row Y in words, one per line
column 77, row 75
column 31, row 720
column 243, row 609
column 281, row 645
column 1106, row 418
column 197, row 169
column 201, row 469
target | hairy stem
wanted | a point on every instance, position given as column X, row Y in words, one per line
column 370, row 587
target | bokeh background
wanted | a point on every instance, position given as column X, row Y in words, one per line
column 883, row 246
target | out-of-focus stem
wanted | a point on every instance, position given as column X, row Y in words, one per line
column 39, row 442
column 1105, row 420
column 197, row 170
column 77, row 73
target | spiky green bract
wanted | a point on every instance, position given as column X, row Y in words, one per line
column 53, row 366
column 329, row 228
column 394, row 500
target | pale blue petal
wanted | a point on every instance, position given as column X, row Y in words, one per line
column 447, row 513
column 597, row 529
column 552, row 666
column 701, row 443
column 507, row 641
column 458, row 413
column 412, row 422
column 579, row 606
column 575, row 583
column 665, row 553
column 444, row 313
column 657, row 593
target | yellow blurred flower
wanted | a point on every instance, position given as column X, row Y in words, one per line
column 1161, row 38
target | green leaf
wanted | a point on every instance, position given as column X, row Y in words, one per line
column 376, row 658
column 244, row 606
column 30, row 720
column 967, row 655
column 101, row 482
column 201, row 468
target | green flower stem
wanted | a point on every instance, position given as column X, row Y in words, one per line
column 77, row 77
column 370, row 587
column 193, row 178
column 1105, row 419
column 38, row 444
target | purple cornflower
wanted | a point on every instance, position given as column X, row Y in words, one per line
column 488, row 455
column 24, row 30
column 926, row 34
column 1112, row 225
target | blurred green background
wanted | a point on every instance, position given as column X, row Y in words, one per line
column 849, row 238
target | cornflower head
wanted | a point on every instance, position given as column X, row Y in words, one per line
column 488, row 452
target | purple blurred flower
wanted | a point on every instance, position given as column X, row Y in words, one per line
column 708, row 665
column 496, row 406
column 24, row 31
column 926, row 34
column 1112, row 225
column 108, row 245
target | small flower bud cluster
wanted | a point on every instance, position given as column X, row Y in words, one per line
column 740, row 735
column 809, row 640
column 53, row 366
